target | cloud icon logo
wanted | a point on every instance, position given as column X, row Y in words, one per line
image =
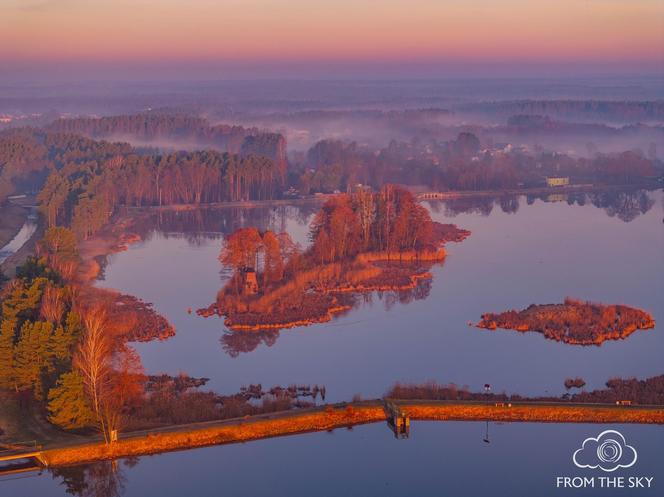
column 608, row 452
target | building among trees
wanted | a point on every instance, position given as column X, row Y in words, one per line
column 557, row 181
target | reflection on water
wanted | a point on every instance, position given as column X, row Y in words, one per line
column 197, row 224
column 625, row 205
column 100, row 479
column 235, row 343
column 540, row 253
column 439, row 458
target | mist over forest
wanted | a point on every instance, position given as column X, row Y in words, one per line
column 328, row 136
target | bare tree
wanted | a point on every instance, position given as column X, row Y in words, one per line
column 93, row 359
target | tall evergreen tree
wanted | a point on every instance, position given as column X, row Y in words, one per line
column 7, row 379
column 68, row 403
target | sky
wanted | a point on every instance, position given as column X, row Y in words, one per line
column 226, row 38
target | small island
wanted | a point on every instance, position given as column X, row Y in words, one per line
column 360, row 243
column 574, row 322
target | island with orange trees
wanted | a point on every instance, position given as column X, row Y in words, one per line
column 574, row 322
column 360, row 242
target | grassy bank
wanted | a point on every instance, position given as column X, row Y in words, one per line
column 532, row 412
column 214, row 433
column 331, row 417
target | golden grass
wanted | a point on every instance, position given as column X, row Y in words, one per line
column 204, row 435
column 329, row 418
column 534, row 413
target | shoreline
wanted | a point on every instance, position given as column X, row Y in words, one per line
column 330, row 417
column 114, row 238
column 256, row 321
column 544, row 190
column 421, row 197
column 573, row 322
column 245, row 204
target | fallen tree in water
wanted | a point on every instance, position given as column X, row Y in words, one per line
column 574, row 322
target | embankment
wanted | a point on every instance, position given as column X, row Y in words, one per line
column 327, row 418
column 214, row 433
column 533, row 412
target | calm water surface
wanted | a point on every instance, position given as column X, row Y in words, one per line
column 439, row 459
column 541, row 253
column 537, row 253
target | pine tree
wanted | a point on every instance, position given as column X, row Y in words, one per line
column 33, row 356
column 68, row 403
column 65, row 337
column 7, row 326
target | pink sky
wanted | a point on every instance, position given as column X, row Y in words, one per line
column 611, row 35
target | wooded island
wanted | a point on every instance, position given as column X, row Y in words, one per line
column 574, row 322
column 360, row 242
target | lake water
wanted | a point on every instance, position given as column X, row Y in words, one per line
column 541, row 253
column 439, row 459
column 521, row 251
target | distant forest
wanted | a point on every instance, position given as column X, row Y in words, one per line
column 613, row 110
column 178, row 130
column 648, row 391
column 459, row 164
column 80, row 179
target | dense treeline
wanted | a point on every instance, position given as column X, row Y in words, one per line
column 28, row 155
column 460, row 164
column 66, row 346
column 544, row 128
column 181, row 130
column 84, row 180
column 85, row 195
column 39, row 328
column 432, row 390
column 624, row 111
column 648, row 391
